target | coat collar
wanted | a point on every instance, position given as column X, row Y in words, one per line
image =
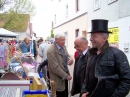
column 57, row 49
column 104, row 47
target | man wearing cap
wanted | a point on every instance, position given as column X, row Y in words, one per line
column 107, row 69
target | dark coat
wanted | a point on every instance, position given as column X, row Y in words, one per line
column 35, row 49
column 113, row 72
column 44, row 63
column 76, row 87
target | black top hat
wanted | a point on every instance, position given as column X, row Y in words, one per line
column 99, row 25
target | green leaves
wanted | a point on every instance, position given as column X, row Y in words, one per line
column 52, row 34
column 18, row 16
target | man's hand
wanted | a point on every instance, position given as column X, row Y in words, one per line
column 70, row 61
column 85, row 94
column 69, row 77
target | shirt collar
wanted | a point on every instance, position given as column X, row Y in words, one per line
column 58, row 46
column 85, row 51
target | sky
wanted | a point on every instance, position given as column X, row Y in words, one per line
column 41, row 22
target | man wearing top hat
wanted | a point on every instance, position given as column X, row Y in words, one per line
column 107, row 69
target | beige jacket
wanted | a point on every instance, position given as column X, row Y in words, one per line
column 56, row 67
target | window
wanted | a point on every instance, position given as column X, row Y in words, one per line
column 96, row 4
column 66, row 10
column 77, row 5
column 66, row 41
column 76, row 33
column 55, row 18
column 111, row 1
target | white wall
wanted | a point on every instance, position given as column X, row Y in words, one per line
column 70, row 27
column 60, row 10
column 74, row 20
column 124, row 34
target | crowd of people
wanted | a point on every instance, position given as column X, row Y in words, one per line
column 99, row 70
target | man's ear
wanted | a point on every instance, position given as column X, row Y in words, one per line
column 105, row 38
column 55, row 39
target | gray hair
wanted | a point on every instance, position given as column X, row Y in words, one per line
column 60, row 34
column 84, row 39
column 105, row 35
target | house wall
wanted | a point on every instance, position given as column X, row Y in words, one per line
column 105, row 11
column 71, row 21
column 124, row 8
column 118, row 14
column 60, row 10
column 124, row 35
column 28, row 33
column 70, row 27
column 124, row 26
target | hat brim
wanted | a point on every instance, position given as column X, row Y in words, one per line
column 99, row 32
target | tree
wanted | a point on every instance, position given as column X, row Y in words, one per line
column 17, row 16
column 18, row 6
column 52, row 34
column 23, row 7
column 5, row 5
column 16, row 22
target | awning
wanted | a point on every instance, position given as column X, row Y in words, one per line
column 7, row 33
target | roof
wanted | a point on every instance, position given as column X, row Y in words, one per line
column 6, row 33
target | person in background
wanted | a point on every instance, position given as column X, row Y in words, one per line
column 20, row 42
column 39, row 41
column 35, row 49
column 4, row 54
column 9, row 42
column 81, row 45
column 42, row 52
column 41, row 65
column 25, row 46
column 58, row 61
column 107, row 69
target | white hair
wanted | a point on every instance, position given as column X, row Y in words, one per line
column 105, row 35
column 60, row 34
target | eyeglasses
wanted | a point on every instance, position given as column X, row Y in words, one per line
column 62, row 39
column 95, row 36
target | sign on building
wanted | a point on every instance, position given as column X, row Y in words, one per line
column 113, row 37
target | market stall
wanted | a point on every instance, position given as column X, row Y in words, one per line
column 7, row 33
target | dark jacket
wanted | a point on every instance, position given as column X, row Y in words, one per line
column 44, row 63
column 35, row 49
column 113, row 72
column 76, row 87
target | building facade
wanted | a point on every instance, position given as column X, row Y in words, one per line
column 27, row 33
column 118, row 14
column 70, row 17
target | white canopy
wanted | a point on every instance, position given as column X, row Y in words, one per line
column 6, row 33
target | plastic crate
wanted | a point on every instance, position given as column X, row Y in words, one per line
column 35, row 93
